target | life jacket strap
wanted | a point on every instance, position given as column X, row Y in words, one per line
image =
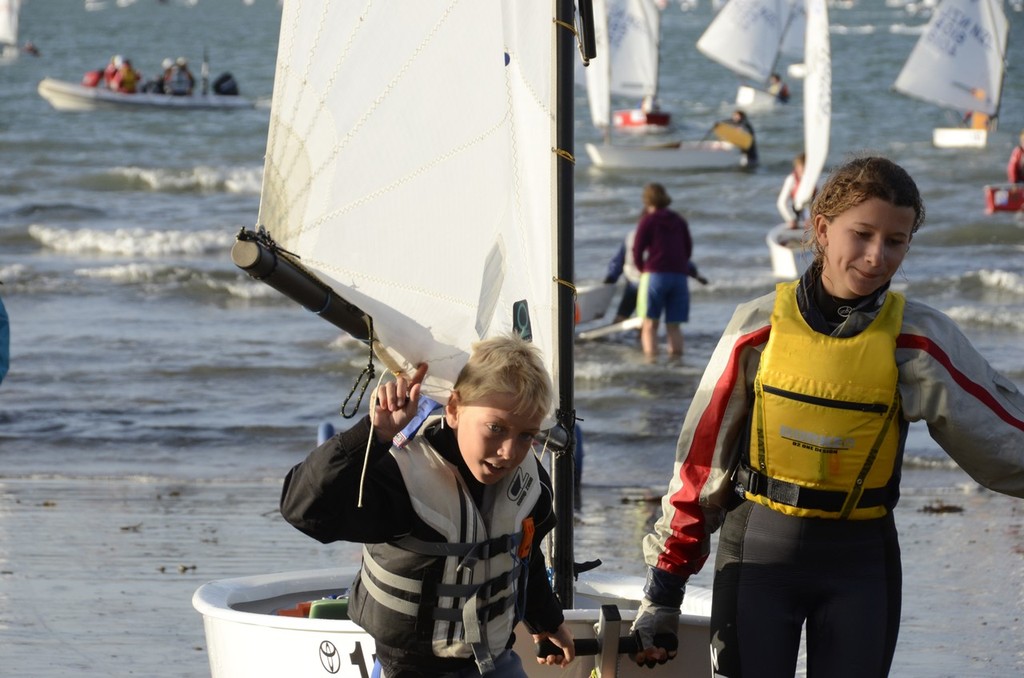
column 483, row 550
column 783, row 492
column 485, row 613
column 485, row 590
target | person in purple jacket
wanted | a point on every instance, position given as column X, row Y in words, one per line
column 662, row 249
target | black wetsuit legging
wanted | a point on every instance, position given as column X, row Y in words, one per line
column 775, row 572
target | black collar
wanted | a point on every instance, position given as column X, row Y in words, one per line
column 823, row 312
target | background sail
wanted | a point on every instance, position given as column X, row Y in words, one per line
column 409, row 164
column 958, row 61
column 793, row 39
column 817, row 99
column 746, row 36
column 634, row 28
column 9, row 10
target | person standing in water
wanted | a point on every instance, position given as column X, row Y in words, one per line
column 662, row 248
column 793, row 446
column 5, row 341
column 1015, row 167
column 778, row 89
column 786, row 202
column 750, row 157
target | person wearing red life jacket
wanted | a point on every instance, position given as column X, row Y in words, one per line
column 778, row 88
column 791, row 212
column 1015, row 168
column 111, row 69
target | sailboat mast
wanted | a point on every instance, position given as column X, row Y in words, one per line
column 790, row 16
column 563, row 466
column 990, row 10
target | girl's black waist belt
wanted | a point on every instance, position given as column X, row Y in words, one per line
column 791, row 494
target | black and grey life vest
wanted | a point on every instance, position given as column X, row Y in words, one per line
column 461, row 597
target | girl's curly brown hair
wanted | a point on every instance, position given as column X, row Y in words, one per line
column 862, row 179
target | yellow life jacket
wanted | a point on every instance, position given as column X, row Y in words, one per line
column 979, row 120
column 823, row 440
column 469, row 610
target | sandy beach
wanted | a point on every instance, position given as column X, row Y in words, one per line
column 96, row 576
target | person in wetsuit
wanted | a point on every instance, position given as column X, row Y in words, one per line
column 793, row 445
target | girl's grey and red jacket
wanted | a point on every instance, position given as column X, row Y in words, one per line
column 320, row 497
column 975, row 414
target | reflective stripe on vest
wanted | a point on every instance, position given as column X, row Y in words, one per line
column 822, row 442
column 471, row 609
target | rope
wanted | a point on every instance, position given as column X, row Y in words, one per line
column 568, row 284
column 368, row 372
column 564, row 155
column 369, row 443
column 576, row 33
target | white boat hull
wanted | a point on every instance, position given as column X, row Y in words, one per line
column 628, row 325
column 783, row 243
column 245, row 639
column 69, row 96
column 8, row 54
column 959, row 137
column 593, row 301
column 694, row 155
column 753, row 99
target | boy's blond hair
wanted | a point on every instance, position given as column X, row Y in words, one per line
column 509, row 365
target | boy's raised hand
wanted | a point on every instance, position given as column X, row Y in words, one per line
column 394, row 404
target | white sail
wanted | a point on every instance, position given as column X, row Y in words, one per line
column 746, row 36
column 795, row 35
column 817, row 99
column 958, row 61
column 634, row 29
column 9, row 10
column 420, row 198
column 409, row 164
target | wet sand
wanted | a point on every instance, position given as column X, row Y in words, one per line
column 97, row 576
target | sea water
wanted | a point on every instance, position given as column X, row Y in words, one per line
column 138, row 347
column 139, row 350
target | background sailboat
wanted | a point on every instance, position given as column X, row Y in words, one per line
column 959, row 63
column 634, row 42
column 9, row 11
column 747, row 37
column 674, row 155
column 782, row 240
column 419, row 235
